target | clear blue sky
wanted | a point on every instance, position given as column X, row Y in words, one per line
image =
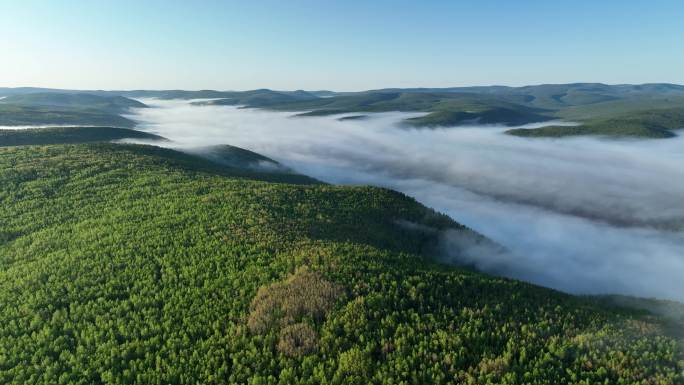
column 339, row 45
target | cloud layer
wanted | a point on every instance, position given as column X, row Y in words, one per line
column 583, row 215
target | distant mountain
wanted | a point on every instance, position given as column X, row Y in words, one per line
column 161, row 94
column 5, row 91
column 647, row 110
column 85, row 101
column 644, row 110
column 444, row 109
column 21, row 115
column 323, row 93
column 66, row 108
column 260, row 98
column 558, row 95
column 266, row 95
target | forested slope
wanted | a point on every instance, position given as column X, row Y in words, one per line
column 22, row 115
column 125, row 264
column 65, row 135
column 79, row 101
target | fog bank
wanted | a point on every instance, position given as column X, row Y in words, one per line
column 584, row 215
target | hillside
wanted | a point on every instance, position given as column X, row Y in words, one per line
column 601, row 109
column 68, row 108
column 238, row 158
column 672, row 313
column 449, row 117
column 19, row 115
column 651, row 123
column 129, row 264
column 83, row 101
column 647, row 111
column 55, row 135
column 559, row 96
column 443, row 109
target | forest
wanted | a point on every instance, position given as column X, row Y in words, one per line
column 133, row 264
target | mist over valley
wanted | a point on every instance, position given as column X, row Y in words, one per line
column 583, row 215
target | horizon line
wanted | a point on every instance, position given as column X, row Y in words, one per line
column 331, row 90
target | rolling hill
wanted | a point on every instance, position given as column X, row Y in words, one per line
column 19, row 115
column 59, row 135
column 558, row 96
column 646, row 111
column 81, row 101
column 443, row 109
column 650, row 123
column 283, row 96
column 132, row 264
column 53, row 108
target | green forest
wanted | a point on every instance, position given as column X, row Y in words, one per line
column 64, row 135
column 133, row 264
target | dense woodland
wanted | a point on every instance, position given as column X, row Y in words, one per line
column 129, row 264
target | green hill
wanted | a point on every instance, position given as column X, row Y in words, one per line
column 129, row 264
column 559, row 96
column 602, row 109
column 444, row 109
column 606, row 110
column 452, row 117
column 84, row 101
column 67, row 108
column 19, row 115
column 56, row 135
column 652, row 123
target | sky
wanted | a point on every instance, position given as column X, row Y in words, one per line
column 337, row 45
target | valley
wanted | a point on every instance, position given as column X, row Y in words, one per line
column 341, row 192
column 183, row 246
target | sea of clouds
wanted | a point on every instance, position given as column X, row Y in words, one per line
column 583, row 215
